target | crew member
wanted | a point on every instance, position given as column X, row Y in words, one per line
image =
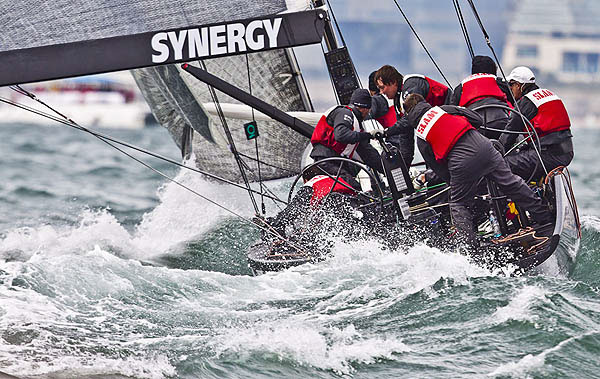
column 392, row 84
column 551, row 123
column 482, row 88
column 381, row 109
column 449, row 143
column 340, row 133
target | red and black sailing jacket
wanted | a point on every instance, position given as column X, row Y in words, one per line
column 478, row 86
column 552, row 115
column 441, row 130
column 390, row 117
column 437, row 91
column 323, row 135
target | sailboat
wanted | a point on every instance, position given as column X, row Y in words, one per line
column 184, row 105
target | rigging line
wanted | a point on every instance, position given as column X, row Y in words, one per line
column 102, row 138
column 17, row 88
column 133, row 147
column 337, row 26
column 267, row 190
column 422, row 44
column 262, row 198
column 489, row 43
column 271, row 165
column 463, row 27
column 269, row 230
column 232, row 148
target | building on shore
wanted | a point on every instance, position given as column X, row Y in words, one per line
column 560, row 41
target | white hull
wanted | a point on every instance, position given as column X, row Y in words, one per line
column 97, row 115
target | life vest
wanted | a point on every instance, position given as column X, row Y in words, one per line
column 323, row 135
column 441, row 130
column 437, row 91
column 321, row 185
column 552, row 115
column 478, row 86
column 390, row 117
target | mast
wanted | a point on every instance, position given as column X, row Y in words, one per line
column 330, row 38
column 339, row 63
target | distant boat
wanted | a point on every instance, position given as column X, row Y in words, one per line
column 98, row 101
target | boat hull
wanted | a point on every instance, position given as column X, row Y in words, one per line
column 555, row 256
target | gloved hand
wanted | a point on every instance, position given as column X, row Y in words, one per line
column 365, row 136
column 419, row 182
column 376, row 133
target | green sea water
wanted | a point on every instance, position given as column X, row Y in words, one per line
column 108, row 271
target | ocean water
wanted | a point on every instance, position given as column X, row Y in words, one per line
column 109, row 271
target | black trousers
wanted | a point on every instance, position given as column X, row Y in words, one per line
column 473, row 157
column 525, row 162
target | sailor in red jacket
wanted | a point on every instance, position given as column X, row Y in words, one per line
column 549, row 117
column 381, row 109
column 340, row 133
column 397, row 87
column 482, row 88
column 449, row 143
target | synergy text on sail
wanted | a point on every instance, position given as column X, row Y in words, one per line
column 215, row 40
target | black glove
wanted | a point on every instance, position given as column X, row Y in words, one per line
column 365, row 136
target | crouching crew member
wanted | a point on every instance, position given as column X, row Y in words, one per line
column 449, row 143
column 549, row 118
column 483, row 87
column 340, row 133
column 393, row 85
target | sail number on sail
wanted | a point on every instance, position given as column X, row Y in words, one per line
column 215, row 40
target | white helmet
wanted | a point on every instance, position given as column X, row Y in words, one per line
column 521, row 74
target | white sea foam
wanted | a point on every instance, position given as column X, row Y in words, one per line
column 362, row 277
column 589, row 221
column 71, row 367
column 183, row 215
column 180, row 216
column 519, row 307
column 531, row 363
column 95, row 227
column 325, row 348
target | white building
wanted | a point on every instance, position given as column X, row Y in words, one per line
column 557, row 39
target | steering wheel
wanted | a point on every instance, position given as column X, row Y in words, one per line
column 314, row 167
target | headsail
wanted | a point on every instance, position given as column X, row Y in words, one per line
column 177, row 103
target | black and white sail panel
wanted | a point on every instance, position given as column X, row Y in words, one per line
column 58, row 56
column 177, row 99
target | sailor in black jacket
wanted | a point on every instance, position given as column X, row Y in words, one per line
column 340, row 133
column 449, row 143
column 551, row 123
column 395, row 86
